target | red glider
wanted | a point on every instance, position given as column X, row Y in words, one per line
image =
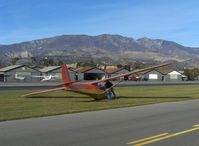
column 88, row 88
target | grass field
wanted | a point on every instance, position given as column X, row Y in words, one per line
column 13, row 106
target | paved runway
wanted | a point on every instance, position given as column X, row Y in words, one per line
column 161, row 124
column 45, row 85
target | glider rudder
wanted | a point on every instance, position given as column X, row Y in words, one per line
column 65, row 74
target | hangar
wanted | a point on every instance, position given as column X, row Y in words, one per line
column 116, row 71
column 163, row 75
column 18, row 73
column 89, row 73
column 56, row 71
column 152, row 75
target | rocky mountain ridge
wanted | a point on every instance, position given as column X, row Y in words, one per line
column 104, row 48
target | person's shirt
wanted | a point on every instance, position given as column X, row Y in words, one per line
column 108, row 85
column 100, row 86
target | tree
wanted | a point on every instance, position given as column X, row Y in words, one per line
column 192, row 74
column 51, row 62
column 119, row 65
column 33, row 60
column 127, row 66
column 46, row 61
column 60, row 62
column 2, row 62
column 138, row 65
column 14, row 60
column 92, row 62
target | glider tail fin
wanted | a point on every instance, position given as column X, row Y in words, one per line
column 65, row 74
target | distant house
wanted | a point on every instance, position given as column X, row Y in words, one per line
column 163, row 75
column 56, row 72
column 152, row 75
column 89, row 73
column 18, row 73
column 174, row 76
column 116, row 71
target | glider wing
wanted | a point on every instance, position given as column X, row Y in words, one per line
column 132, row 72
column 44, row 91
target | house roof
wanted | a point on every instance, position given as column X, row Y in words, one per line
column 113, row 70
column 174, row 73
column 49, row 68
column 84, row 69
column 71, row 69
column 162, row 70
column 11, row 67
column 1, row 66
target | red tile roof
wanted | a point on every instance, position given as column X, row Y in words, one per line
column 113, row 70
column 84, row 69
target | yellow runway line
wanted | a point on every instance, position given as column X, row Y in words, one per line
column 148, row 138
column 166, row 137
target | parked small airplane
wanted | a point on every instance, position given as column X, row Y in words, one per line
column 17, row 77
column 46, row 78
column 88, row 88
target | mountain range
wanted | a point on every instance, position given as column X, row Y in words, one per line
column 105, row 48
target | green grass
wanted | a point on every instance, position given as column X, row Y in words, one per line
column 13, row 106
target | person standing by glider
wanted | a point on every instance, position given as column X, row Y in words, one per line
column 109, row 90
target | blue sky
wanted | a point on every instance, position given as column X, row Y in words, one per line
column 25, row 20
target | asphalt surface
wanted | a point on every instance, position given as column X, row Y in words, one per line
column 46, row 85
column 116, row 127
